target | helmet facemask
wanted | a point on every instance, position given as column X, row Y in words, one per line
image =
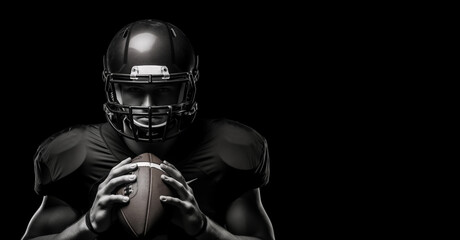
column 150, row 104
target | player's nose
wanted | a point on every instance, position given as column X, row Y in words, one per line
column 147, row 101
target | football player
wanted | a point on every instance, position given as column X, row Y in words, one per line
column 216, row 166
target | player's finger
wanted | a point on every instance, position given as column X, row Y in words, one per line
column 179, row 187
column 116, row 172
column 172, row 172
column 170, row 164
column 109, row 200
column 174, row 201
column 117, row 182
column 125, row 161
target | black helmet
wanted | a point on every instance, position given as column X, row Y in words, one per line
column 150, row 54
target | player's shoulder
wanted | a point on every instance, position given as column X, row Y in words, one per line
column 237, row 144
column 63, row 152
column 67, row 140
column 234, row 131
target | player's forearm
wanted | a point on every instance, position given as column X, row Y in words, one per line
column 215, row 231
column 76, row 231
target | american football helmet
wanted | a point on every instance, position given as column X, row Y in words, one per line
column 150, row 74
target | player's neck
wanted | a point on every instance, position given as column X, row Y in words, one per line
column 160, row 149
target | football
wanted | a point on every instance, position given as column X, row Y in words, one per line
column 144, row 215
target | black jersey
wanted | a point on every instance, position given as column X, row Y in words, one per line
column 225, row 157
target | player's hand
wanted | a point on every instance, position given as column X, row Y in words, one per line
column 186, row 214
column 101, row 212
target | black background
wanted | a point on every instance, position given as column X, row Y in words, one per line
column 287, row 71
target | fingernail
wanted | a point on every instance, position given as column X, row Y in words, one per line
column 166, row 162
column 162, row 198
column 163, row 176
column 132, row 177
column 134, row 166
column 125, row 199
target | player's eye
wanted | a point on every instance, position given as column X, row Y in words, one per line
column 134, row 90
column 163, row 90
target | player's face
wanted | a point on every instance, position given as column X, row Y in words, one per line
column 147, row 95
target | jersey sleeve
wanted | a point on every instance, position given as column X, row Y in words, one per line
column 57, row 158
column 245, row 151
